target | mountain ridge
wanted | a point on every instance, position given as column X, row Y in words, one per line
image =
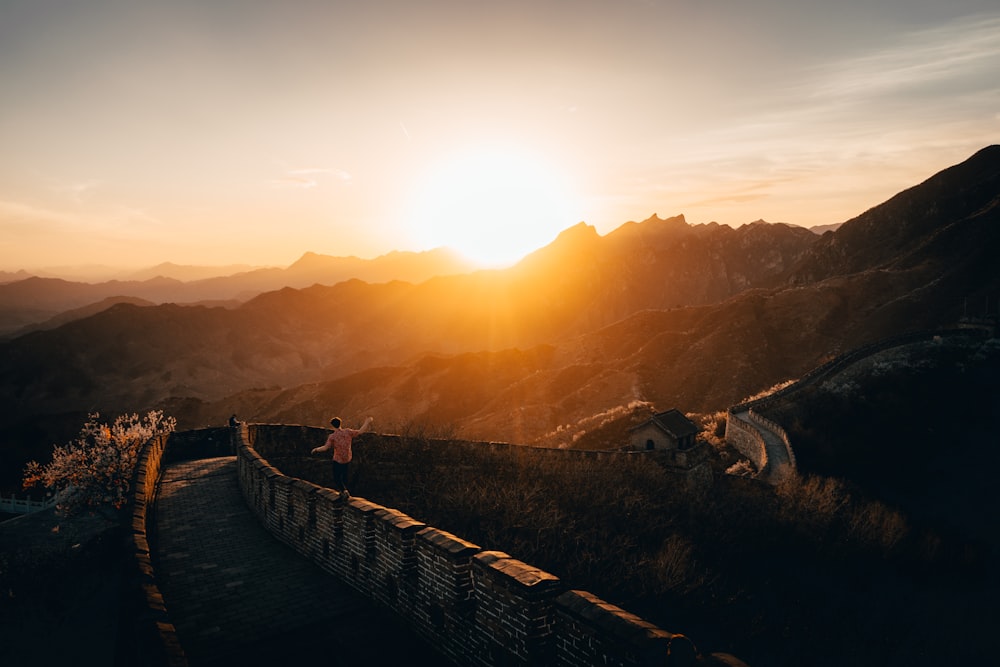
column 32, row 300
column 659, row 312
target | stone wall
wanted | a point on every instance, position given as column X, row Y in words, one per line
column 746, row 439
column 476, row 607
column 287, row 446
column 777, row 429
column 153, row 640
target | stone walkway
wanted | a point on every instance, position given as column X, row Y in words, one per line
column 778, row 464
column 237, row 595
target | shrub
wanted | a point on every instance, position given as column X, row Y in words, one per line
column 95, row 469
column 742, row 468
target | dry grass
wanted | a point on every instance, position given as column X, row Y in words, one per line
column 767, row 574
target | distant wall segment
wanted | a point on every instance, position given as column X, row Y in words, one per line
column 477, row 607
column 746, row 438
column 747, row 427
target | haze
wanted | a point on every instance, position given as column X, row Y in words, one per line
column 220, row 132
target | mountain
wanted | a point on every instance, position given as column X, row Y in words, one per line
column 660, row 312
column 621, row 328
column 915, row 225
column 823, row 229
column 187, row 273
column 128, row 358
column 8, row 277
column 33, row 300
column 80, row 313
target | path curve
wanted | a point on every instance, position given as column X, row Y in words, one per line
column 778, row 465
column 239, row 596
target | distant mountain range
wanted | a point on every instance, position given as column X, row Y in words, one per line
column 695, row 317
column 29, row 301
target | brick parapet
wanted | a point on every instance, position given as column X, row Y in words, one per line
column 746, row 439
column 476, row 607
column 592, row 631
column 514, row 610
column 777, row 429
column 154, row 638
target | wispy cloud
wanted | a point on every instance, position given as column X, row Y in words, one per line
column 857, row 127
column 137, row 216
column 309, row 177
column 79, row 190
column 15, row 214
column 961, row 55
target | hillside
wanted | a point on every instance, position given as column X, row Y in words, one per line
column 860, row 426
column 128, row 357
column 659, row 311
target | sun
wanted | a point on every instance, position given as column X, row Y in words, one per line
column 492, row 205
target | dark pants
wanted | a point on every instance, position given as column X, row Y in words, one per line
column 340, row 476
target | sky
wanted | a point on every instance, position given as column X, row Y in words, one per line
column 209, row 132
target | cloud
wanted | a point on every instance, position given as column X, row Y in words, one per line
column 79, row 190
column 15, row 215
column 18, row 214
column 962, row 56
column 308, row 177
column 294, row 182
column 133, row 215
column 854, row 129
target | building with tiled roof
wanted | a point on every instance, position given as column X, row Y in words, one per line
column 664, row 430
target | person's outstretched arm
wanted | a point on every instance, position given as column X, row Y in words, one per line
column 364, row 427
column 322, row 448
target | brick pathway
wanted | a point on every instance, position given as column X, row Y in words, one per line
column 239, row 596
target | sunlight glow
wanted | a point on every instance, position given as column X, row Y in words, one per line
column 493, row 206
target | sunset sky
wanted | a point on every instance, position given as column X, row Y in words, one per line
column 134, row 132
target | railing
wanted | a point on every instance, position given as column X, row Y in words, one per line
column 15, row 505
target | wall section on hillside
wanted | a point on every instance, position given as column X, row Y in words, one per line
column 477, row 607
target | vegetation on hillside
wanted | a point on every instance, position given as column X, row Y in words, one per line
column 914, row 427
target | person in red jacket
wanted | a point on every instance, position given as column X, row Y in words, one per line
column 340, row 441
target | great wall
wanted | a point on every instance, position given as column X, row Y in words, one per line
column 475, row 606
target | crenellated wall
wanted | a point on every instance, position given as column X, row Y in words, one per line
column 777, row 429
column 476, row 607
column 747, row 439
column 287, row 447
column 153, row 640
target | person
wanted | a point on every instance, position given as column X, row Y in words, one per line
column 340, row 442
column 233, row 421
